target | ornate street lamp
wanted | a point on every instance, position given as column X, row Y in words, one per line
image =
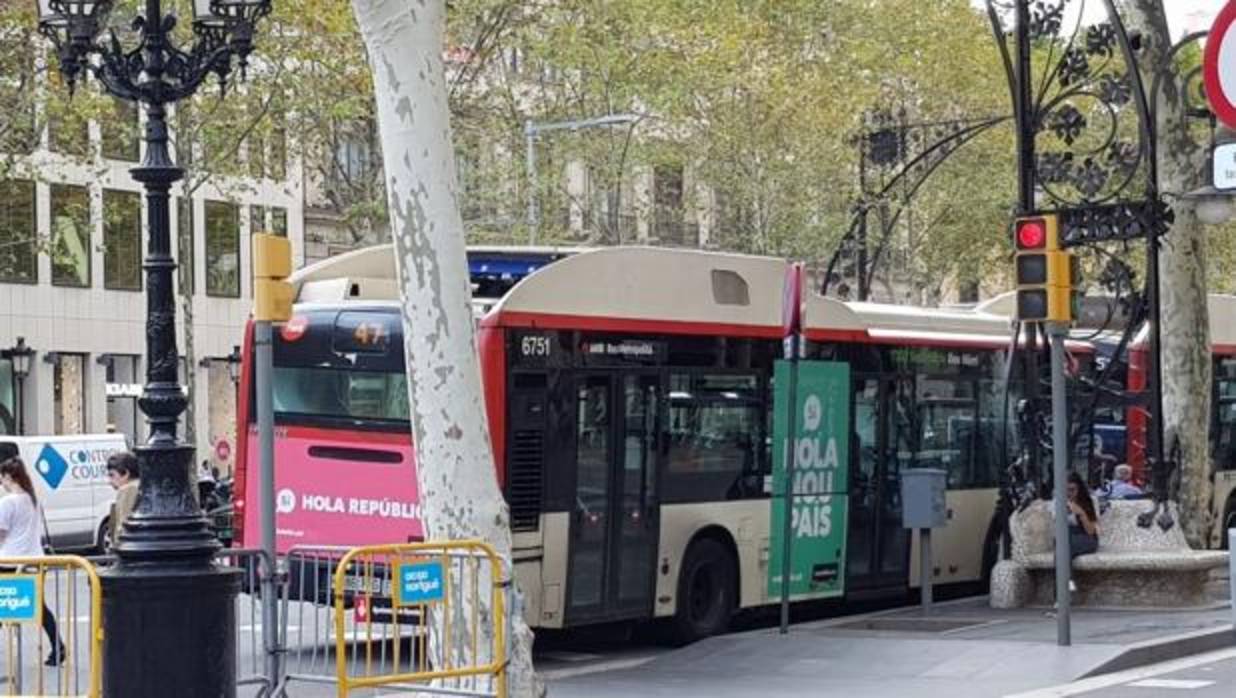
column 233, row 364
column 173, row 607
column 20, row 355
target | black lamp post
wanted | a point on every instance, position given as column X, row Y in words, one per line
column 20, row 355
column 233, row 364
column 168, row 609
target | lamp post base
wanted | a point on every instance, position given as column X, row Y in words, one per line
column 170, row 632
column 168, row 609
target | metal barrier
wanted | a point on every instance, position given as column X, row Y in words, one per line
column 452, row 596
column 258, row 648
column 429, row 617
column 64, row 586
column 307, row 627
column 258, row 653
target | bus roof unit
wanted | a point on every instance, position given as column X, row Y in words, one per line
column 654, row 290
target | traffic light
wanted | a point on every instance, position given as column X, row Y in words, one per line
column 272, row 263
column 1046, row 272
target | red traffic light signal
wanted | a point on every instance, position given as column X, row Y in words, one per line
column 1031, row 234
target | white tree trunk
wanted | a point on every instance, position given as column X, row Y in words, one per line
column 459, row 492
column 1182, row 287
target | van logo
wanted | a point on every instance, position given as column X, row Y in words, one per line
column 51, row 466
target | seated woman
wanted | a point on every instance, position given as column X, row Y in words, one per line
column 1083, row 521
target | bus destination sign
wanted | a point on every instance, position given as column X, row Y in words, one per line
column 364, row 332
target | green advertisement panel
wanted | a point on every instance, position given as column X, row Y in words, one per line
column 821, row 448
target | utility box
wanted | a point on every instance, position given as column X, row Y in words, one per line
column 923, row 503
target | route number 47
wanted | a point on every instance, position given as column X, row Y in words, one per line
column 534, row 346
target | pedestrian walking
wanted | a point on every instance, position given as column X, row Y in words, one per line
column 19, row 536
column 123, row 474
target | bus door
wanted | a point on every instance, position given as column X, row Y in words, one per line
column 614, row 523
column 878, row 547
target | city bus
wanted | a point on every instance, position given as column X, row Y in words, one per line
column 630, row 397
column 1222, row 313
column 342, row 436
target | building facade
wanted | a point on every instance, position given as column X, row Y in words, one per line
column 73, row 237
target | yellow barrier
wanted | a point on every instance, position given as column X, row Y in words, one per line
column 47, row 572
column 439, row 597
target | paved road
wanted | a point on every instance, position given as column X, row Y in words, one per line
column 1208, row 675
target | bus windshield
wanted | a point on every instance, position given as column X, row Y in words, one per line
column 340, row 393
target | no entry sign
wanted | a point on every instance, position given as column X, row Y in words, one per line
column 1219, row 66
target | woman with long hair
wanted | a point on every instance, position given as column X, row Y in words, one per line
column 19, row 535
column 1083, row 521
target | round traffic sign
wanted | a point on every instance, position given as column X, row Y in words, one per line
column 223, row 450
column 1219, row 65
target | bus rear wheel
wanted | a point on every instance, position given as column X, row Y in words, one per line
column 707, row 592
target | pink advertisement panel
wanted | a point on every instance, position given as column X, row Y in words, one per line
column 337, row 488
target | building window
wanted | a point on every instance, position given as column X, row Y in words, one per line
column 182, row 133
column 70, row 230
column 257, row 154
column 16, row 91
column 279, row 221
column 222, row 249
column 668, row 198
column 68, row 128
column 122, row 387
column 119, row 132
column 184, row 244
column 69, row 398
column 353, row 156
column 18, row 232
column 257, row 220
column 278, row 156
column 122, row 240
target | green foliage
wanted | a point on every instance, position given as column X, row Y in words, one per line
column 750, row 110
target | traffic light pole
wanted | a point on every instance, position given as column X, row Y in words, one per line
column 1024, row 100
column 272, row 263
column 264, row 363
column 1060, row 468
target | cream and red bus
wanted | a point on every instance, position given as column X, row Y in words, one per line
column 630, row 397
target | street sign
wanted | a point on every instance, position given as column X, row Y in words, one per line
column 820, row 448
column 1219, row 66
column 418, row 582
column 1224, row 159
column 19, row 598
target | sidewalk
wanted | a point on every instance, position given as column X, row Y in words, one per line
column 964, row 648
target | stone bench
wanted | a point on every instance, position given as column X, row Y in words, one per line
column 1134, row 567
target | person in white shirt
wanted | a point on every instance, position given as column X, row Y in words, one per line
column 1122, row 487
column 19, row 535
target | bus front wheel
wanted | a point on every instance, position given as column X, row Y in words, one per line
column 707, row 591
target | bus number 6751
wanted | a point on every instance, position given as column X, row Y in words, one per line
column 534, row 346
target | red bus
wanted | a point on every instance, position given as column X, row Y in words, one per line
column 1222, row 313
column 343, row 445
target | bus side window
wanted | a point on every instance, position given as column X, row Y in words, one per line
column 1223, row 435
column 716, row 429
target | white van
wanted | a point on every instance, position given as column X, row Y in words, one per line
column 70, row 477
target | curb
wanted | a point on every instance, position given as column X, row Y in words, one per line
column 1173, row 647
